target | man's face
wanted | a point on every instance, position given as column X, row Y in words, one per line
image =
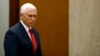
column 29, row 17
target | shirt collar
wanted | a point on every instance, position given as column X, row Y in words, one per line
column 26, row 27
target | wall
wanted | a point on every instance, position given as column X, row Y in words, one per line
column 84, row 28
column 4, row 24
column 52, row 25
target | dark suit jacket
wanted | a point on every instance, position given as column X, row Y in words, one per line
column 17, row 42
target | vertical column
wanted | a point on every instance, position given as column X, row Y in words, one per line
column 4, row 22
column 84, row 28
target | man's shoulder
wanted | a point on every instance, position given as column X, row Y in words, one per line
column 14, row 27
column 35, row 31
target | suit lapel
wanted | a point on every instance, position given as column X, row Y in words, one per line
column 24, row 35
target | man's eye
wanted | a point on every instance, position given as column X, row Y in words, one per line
column 30, row 15
column 34, row 15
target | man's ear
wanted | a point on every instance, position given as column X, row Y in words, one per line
column 21, row 15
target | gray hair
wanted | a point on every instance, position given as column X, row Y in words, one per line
column 26, row 6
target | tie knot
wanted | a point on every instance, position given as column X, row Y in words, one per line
column 30, row 30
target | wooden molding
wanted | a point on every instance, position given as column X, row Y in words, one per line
column 13, row 12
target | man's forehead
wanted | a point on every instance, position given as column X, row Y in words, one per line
column 31, row 11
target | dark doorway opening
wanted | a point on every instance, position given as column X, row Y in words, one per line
column 13, row 12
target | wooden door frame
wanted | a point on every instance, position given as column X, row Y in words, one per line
column 13, row 12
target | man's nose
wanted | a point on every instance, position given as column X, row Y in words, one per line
column 33, row 18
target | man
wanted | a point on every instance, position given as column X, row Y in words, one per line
column 22, row 39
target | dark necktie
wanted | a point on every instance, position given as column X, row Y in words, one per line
column 34, row 45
